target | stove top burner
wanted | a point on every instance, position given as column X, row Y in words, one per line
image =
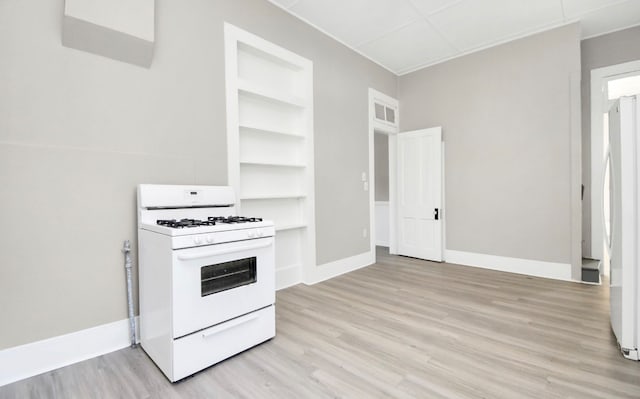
column 178, row 224
column 233, row 219
column 211, row 221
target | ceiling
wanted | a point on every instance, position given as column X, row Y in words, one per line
column 405, row 35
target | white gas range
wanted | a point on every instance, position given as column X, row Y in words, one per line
column 206, row 279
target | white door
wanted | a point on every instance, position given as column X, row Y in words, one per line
column 419, row 232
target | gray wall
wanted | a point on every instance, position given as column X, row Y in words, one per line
column 507, row 118
column 614, row 48
column 381, row 158
column 78, row 132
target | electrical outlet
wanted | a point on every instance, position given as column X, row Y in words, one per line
column 364, row 176
column 365, row 186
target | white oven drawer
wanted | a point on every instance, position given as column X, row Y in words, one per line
column 212, row 345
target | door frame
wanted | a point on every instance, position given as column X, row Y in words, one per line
column 599, row 77
column 391, row 131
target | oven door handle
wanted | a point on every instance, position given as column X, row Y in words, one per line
column 223, row 251
column 230, row 324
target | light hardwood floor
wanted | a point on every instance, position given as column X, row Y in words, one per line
column 402, row 328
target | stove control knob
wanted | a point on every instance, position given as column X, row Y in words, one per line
column 197, row 240
column 251, row 234
column 210, row 239
column 260, row 233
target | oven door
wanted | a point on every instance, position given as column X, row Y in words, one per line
column 219, row 282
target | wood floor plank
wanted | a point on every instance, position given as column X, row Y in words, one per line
column 401, row 328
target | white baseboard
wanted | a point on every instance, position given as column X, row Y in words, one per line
column 38, row 357
column 333, row 269
column 27, row 360
column 287, row 277
column 529, row 267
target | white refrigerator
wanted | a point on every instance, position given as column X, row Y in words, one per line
column 624, row 178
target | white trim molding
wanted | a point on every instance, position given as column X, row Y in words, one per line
column 529, row 267
column 313, row 25
column 382, row 223
column 38, row 357
column 287, row 277
column 392, row 133
column 278, row 77
column 336, row 268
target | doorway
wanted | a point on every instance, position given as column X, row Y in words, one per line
column 383, row 130
column 381, row 187
column 423, row 223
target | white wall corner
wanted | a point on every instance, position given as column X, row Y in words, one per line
column 38, row 357
column 576, row 176
column 529, row 267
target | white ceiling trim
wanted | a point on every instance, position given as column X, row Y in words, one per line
column 592, row 10
column 423, row 15
column 610, row 31
column 383, row 34
column 329, row 34
column 485, row 47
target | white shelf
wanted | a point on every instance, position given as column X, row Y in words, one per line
column 272, row 95
column 270, row 141
column 271, row 131
column 274, row 58
column 284, row 227
column 271, row 197
column 273, row 164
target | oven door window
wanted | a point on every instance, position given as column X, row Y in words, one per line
column 227, row 275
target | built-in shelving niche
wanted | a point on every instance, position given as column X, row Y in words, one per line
column 270, row 140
